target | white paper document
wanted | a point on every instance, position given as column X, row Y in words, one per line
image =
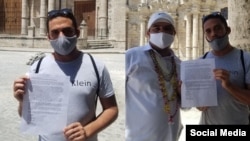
column 45, row 104
column 198, row 83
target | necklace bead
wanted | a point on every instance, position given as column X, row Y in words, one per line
column 172, row 77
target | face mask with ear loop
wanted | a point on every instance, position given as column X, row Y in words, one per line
column 161, row 40
column 64, row 45
column 219, row 43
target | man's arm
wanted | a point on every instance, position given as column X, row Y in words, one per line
column 242, row 95
column 105, row 118
column 78, row 131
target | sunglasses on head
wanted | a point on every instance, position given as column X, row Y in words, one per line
column 65, row 12
column 212, row 15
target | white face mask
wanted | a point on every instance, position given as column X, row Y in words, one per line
column 64, row 45
column 161, row 40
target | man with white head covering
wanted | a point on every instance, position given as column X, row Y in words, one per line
column 152, row 90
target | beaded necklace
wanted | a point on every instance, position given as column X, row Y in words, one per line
column 173, row 82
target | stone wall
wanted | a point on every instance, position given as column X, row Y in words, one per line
column 117, row 33
column 24, row 42
column 126, row 19
column 239, row 21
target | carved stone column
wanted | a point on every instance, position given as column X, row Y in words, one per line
column 188, row 36
column 32, row 9
column 174, row 45
column 142, row 30
column 63, row 4
column 43, row 17
column 239, row 21
column 51, row 5
column 24, row 17
column 102, row 31
column 195, row 35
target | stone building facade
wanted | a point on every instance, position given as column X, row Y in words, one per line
column 123, row 22
column 98, row 20
column 239, row 21
column 189, row 42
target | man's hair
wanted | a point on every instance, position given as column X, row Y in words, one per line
column 66, row 12
column 213, row 15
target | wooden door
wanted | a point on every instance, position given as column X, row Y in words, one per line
column 2, row 17
column 86, row 10
column 10, row 16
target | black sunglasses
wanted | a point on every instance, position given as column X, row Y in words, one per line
column 218, row 15
column 213, row 15
column 65, row 12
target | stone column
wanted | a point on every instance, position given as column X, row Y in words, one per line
column 31, row 27
column 102, row 31
column 24, row 17
column 142, row 30
column 63, row 4
column 174, row 45
column 84, row 30
column 205, row 47
column 195, row 35
column 239, row 21
column 51, row 5
column 32, row 24
column 82, row 40
column 188, row 36
column 43, row 17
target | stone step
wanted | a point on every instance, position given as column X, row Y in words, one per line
column 94, row 44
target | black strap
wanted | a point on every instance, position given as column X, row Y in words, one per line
column 242, row 60
column 243, row 65
column 98, row 78
column 38, row 65
column 96, row 72
column 204, row 56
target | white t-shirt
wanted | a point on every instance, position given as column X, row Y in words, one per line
column 83, row 80
column 146, row 119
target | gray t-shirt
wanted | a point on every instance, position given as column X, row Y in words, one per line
column 229, row 110
column 84, row 84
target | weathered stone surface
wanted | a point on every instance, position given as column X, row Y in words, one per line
column 239, row 21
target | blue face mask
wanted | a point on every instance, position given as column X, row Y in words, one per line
column 64, row 45
column 219, row 43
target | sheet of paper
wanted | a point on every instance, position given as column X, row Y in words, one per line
column 45, row 104
column 198, row 83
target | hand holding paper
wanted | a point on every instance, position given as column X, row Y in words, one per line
column 198, row 83
column 45, row 104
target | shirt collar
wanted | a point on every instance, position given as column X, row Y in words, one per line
column 148, row 47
